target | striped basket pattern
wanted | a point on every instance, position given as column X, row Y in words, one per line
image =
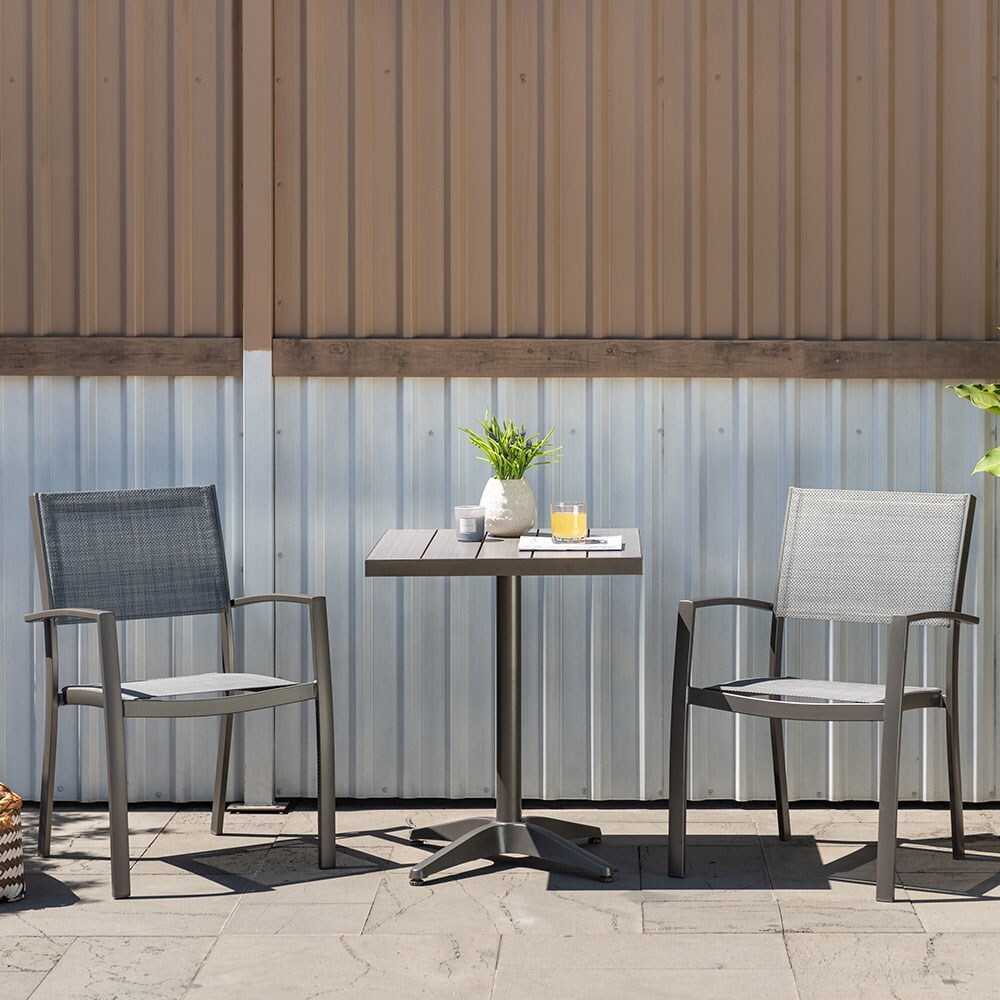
column 11, row 846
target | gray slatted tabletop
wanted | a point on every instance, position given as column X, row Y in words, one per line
column 436, row 552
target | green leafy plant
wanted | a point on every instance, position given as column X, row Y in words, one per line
column 985, row 396
column 510, row 450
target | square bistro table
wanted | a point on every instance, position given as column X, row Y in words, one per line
column 436, row 552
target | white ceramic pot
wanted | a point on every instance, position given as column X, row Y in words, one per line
column 510, row 507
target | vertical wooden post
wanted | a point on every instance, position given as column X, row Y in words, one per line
column 258, row 386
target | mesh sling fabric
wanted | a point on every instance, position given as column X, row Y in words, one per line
column 810, row 690
column 137, row 553
column 863, row 556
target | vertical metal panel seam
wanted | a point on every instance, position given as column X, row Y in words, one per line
column 652, row 320
column 498, row 205
column 41, row 173
column 693, row 228
column 589, row 175
column 880, row 70
column 838, row 132
column 743, row 152
column 604, row 78
column 132, row 140
column 541, row 157
column 408, row 230
column 791, row 206
column 351, row 248
column 991, row 169
column 86, row 169
column 312, row 189
column 549, row 62
column 181, row 99
column 456, row 184
column 640, row 201
column 505, row 151
column 938, row 78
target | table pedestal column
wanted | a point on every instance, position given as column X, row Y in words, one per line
column 547, row 840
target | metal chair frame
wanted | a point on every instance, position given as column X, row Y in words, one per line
column 888, row 711
column 119, row 705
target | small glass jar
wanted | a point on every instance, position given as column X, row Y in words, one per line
column 470, row 524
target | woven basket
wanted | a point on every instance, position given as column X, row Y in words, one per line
column 11, row 846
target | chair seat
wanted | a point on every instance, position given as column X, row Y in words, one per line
column 815, row 690
column 195, row 684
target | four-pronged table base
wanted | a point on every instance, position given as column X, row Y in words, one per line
column 547, row 840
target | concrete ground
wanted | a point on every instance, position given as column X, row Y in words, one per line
column 249, row 915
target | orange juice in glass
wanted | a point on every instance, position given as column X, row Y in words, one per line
column 569, row 522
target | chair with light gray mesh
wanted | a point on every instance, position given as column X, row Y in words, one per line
column 846, row 556
column 117, row 556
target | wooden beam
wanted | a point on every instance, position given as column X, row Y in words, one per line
column 565, row 358
column 508, row 358
column 120, row 356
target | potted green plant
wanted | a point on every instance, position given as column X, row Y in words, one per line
column 510, row 451
column 986, row 396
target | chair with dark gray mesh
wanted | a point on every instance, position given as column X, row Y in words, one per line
column 846, row 556
column 117, row 556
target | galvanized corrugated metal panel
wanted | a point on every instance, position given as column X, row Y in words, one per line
column 654, row 168
column 119, row 193
column 702, row 467
column 109, row 433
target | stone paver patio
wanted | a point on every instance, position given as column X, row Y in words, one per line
column 249, row 915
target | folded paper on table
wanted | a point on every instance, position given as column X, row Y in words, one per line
column 592, row 543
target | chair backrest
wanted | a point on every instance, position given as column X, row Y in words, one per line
column 138, row 553
column 858, row 556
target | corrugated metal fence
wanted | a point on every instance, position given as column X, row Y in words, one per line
column 647, row 168
column 108, row 433
column 700, row 466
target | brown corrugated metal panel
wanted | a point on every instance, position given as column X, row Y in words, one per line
column 651, row 168
column 118, row 167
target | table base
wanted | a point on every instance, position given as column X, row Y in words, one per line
column 548, row 840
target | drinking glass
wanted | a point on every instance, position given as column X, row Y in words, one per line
column 569, row 522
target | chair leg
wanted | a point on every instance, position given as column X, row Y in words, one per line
column 45, row 802
column 114, row 724
column 888, row 808
column 780, row 779
column 677, row 828
column 326, row 788
column 955, row 782
column 222, row 773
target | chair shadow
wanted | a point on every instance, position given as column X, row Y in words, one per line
column 235, row 870
column 639, row 861
column 923, row 863
column 293, row 862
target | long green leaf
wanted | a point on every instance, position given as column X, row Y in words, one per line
column 509, row 449
column 986, row 396
column 990, row 462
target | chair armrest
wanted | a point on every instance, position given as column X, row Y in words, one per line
column 684, row 650
column 922, row 616
column 743, row 602
column 318, row 628
column 238, row 602
column 107, row 647
column 899, row 633
column 89, row 613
